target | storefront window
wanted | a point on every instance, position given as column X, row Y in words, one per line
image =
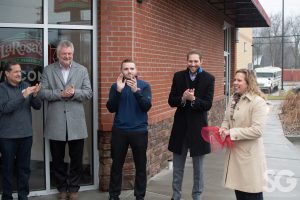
column 24, row 46
column 70, row 12
column 16, row 11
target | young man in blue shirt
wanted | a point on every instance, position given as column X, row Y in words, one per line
column 130, row 100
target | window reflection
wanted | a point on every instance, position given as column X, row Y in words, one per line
column 70, row 12
column 16, row 11
column 25, row 46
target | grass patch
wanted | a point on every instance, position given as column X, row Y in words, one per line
column 276, row 97
column 282, row 95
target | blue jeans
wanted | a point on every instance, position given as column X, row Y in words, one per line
column 15, row 150
column 178, row 171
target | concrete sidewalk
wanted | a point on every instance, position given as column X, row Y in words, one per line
column 283, row 161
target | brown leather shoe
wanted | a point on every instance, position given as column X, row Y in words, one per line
column 63, row 196
column 74, row 196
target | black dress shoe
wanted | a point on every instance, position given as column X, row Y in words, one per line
column 114, row 198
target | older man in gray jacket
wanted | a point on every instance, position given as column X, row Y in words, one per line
column 65, row 85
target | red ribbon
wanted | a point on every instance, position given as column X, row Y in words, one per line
column 211, row 135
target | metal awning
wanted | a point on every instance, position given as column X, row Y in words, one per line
column 245, row 13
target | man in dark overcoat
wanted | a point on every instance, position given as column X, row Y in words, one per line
column 192, row 94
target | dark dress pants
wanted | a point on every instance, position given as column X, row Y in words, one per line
column 17, row 150
column 119, row 145
column 248, row 196
column 67, row 182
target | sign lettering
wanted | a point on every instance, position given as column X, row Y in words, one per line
column 21, row 48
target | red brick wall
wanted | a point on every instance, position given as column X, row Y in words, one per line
column 164, row 32
column 157, row 35
column 291, row 74
column 115, row 43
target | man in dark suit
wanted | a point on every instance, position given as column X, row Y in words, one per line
column 192, row 93
column 65, row 85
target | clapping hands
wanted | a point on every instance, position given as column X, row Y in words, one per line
column 68, row 92
column 31, row 90
column 131, row 82
column 189, row 94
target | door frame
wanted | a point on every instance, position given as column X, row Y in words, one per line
column 227, row 61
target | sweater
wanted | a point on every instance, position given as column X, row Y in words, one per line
column 130, row 108
column 15, row 111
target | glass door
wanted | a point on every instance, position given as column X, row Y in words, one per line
column 29, row 33
column 227, row 61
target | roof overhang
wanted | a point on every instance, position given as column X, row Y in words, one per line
column 245, row 13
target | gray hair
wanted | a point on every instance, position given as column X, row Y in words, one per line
column 66, row 44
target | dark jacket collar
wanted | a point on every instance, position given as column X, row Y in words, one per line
column 14, row 86
column 187, row 77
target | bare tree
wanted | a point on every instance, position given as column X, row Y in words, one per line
column 274, row 33
column 294, row 23
column 269, row 41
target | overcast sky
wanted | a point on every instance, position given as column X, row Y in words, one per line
column 275, row 6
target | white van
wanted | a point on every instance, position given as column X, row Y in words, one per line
column 268, row 78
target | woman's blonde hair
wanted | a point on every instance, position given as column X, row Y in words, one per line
column 251, row 81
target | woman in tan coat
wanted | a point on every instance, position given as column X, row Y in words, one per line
column 244, row 120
